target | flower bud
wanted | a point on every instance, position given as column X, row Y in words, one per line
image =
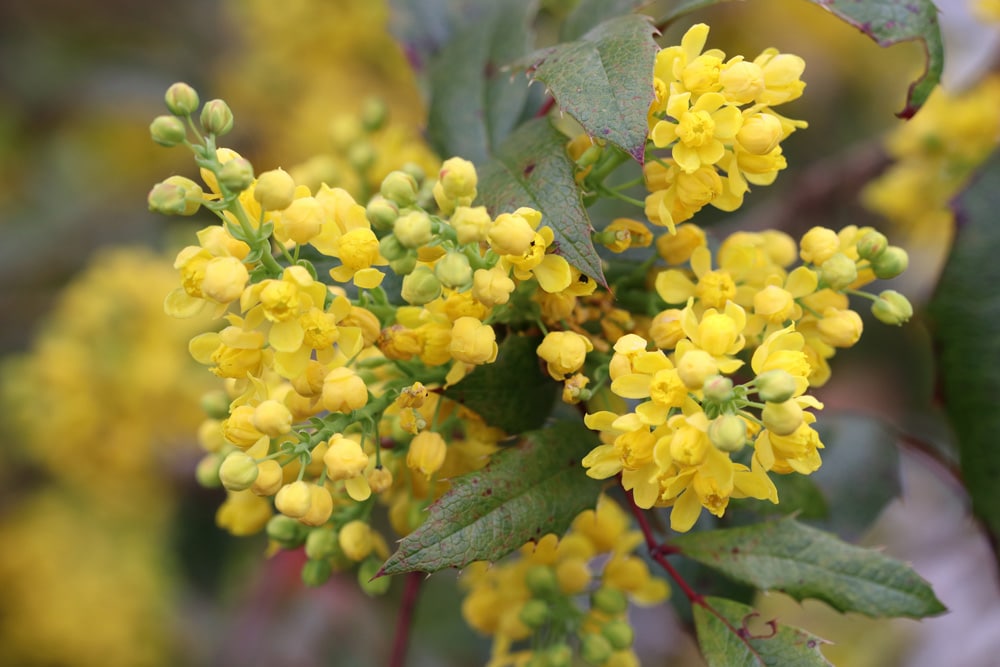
column 839, row 271
column 775, row 386
column 818, row 245
column 302, row 220
column 728, row 433
column 270, row 478
column 782, row 418
column 760, row 133
column 390, row 248
column 404, row 265
column 322, row 543
column 892, row 262
column 609, row 600
column 426, row 453
column 558, row 655
column 595, row 649
column 176, row 195
column 472, row 341
column 316, row 572
column 373, row 114
column 534, row 613
column 207, row 472
column 458, row 180
column 181, row 99
column 840, row 328
column 344, row 458
column 665, row 329
column 413, row 229
column 454, row 270
column 216, row 117
column 471, row 224
column 695, row 367
column 510, row 234
column 541, row 581
column 236, row 175
column 275, row 190
column 320, row 506
column 400, row 188
column 355, row 540
column 238, row 471
column 492, row 287
column 718, row 389
column 272, row 418
column 361, row 155
column 215, row 404
column 379, row 480
column 564, row 353
column 382, row 213
column 293, row 499
column 286, row 531
column 420, row 287
column 367, row 570
column 892, row 308
column 871, row 245
column 677, row 248
column 619, row 633
column 167, row 130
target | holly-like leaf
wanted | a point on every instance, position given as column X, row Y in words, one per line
column 526, row 492
column 806, row 562
column 459, row 48
column 756, row 642
column 604, row 80
column 512, row 393
column 966, row 317
column 886, row 22
column 532, row 168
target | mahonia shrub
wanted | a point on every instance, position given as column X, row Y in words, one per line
column 464, row 360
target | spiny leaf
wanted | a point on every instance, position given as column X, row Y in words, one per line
column 886, row 22
column 460, row 48
column 755, row 642
column 532, row 168
column 526, row 492
column 604, row 80
column 966, row 318
column 487, row 390
column 805, row 562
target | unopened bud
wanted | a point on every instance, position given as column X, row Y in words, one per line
column 413, row 229
column 167, row 130
column 619, row 633
column 382, row 212
column 718, row 388
column 420, row 287
column 373, row 114
column 238, row 471
column 216, row 117
column 207, row 472
column 782, row 418
column 322, row 543
column 316, row 572
column 404, row 265
column 215, row 404
column 361, row 155
column 892, row 308
column 871, row 245
column 454, row 270
column 236, row 175
column 176, row 195
column 534, row 613
column 275, row 190
column 399, row 187
column 595, row 649
column 839, row 271
column 728, row 433
column 181, row 99
column 892, row 262
column 608, row 600
column 286, row 531
column 775, row 386
column 541, row 580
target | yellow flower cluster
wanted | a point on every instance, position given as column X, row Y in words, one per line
column 536, row 593
column 936, row 152
column 716, row 116
column 677, row 447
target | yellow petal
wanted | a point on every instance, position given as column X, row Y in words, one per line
column 368, row 278
column 181, row 304
column 553, row 274
column 203, row 346
column 673, row 286
column 286, row 336
column 633, row 385
column 686, row 511
column 358, row 489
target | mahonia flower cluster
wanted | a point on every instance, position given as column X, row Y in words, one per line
column 684, row 445
column 936, row 152
column 716, row 116
column 537, row 594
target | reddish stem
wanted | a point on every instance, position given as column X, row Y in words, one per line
column 546, row 107
column 405, row 619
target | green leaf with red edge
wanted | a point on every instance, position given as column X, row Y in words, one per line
column 604, row 79
column 532, row 168
column 804, row 562
column 736, row 635
column 886, row 22
column 459, row 49
column 487, row 390
column 965, row 312
column 525, row 492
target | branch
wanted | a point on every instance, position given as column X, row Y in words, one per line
column 405, row 619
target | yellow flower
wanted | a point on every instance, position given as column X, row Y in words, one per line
column 473, row 342
column 426, row 453
column 344, row 390
column 564, row 353
column 700, row 129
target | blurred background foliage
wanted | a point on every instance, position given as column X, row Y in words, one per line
column 111, row 556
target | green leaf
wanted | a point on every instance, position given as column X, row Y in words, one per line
column 604, row 80
column 588, row 13
column 526, row 492
column 966, row 316
column 805, row 562
column 532, row 168
column 886, row 22
column 459, row 48
column 755, row 642
column 487, row 391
